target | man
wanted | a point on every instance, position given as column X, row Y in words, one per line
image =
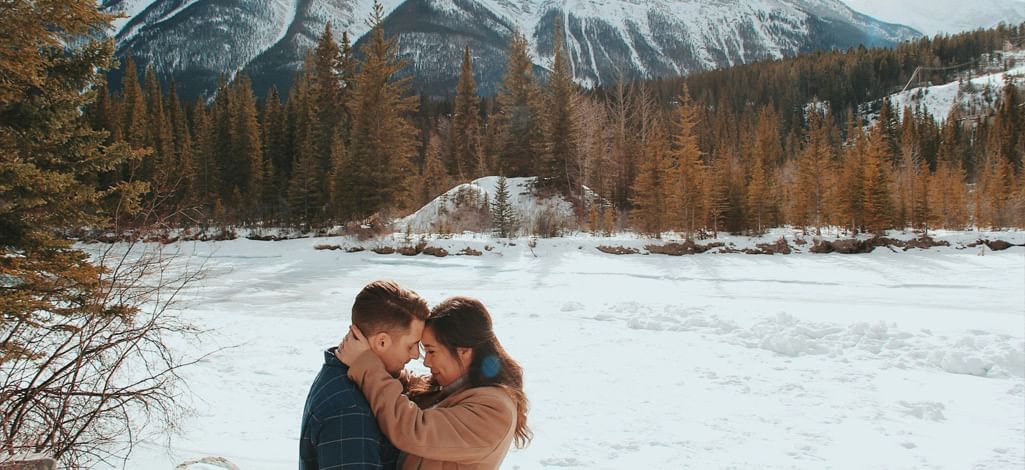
column 338, row 429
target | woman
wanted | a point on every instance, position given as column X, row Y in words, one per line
column 470, row 410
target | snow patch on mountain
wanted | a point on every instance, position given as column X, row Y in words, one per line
column 127, row 8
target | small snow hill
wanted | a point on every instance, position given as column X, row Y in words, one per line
column 466, row 208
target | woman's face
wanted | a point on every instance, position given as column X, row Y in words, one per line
column 445, row 366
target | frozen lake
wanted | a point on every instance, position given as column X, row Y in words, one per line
column 883, row 360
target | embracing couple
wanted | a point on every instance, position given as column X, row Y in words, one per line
column 365, row 411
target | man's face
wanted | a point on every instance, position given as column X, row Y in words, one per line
column 399, row 348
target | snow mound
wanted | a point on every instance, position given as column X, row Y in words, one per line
column 465, row 207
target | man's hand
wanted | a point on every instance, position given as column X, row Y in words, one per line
column 352, row 346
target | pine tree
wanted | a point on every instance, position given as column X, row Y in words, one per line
column 1009, row 123
column 649, row 187
column 434, row 180
column 876, row 203
column 160, row 167
column 336, row 178
column 276, row 154
column 133, row 107
column 947, row 197
column 719, row 206
column 106, row 115
column 889, row 128
column 560, row 135
column 622, row 170
column 813, row 168
column 327, row 90
column 222, row 150
column 54, row 298
column 503, row 215
column 685, row 192
column 183, row 169
column 994, row 191
column 519, row 118
column 846, row 197
column 247, row 155
column 305, row 186
column 383, row 140
column 762, row 196
column 206, row 185
column 466, row 161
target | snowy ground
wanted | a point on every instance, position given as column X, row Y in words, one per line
column 884, row 360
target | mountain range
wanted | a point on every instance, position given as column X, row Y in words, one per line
column 195, row 41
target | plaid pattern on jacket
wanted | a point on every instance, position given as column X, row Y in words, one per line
column 338, row 429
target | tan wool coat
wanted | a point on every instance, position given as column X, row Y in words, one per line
column 471, row 429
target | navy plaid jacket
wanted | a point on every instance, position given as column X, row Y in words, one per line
column 338, row 429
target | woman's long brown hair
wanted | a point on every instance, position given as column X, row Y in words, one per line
column 464, row 322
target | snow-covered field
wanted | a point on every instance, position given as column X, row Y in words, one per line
column 884, row 360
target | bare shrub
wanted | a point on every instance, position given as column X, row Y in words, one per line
column 91, row 372
column 547, row 223
column 470, row 212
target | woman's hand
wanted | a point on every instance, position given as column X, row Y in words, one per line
column 352, row 346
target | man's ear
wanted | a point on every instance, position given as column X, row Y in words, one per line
column 380, row 342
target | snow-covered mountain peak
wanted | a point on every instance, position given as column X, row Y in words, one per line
column 193, row 41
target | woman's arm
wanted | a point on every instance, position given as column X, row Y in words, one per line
column 466, row 432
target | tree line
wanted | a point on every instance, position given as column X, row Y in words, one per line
column 741, row 149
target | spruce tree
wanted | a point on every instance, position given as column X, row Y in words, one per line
column 434, row 179
column 560, row 135
column 222, row 150
column 133, row 106
column 685, row 192
column 876, row 203
column 305, row 185
column 383, row 141
column 160, row 167
column 519, row 119
column 650, row 207
column 182, row 169
column 247, row 155
column 846, row 197
column 206, row 185
column 503, row 215
column 719, row 207
column 948, row 196
column 813, row 167
column 276, row 155
column 62, row 316
column 466, row 161
column 326, row 89
column 336, row 178
column 762, row 197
